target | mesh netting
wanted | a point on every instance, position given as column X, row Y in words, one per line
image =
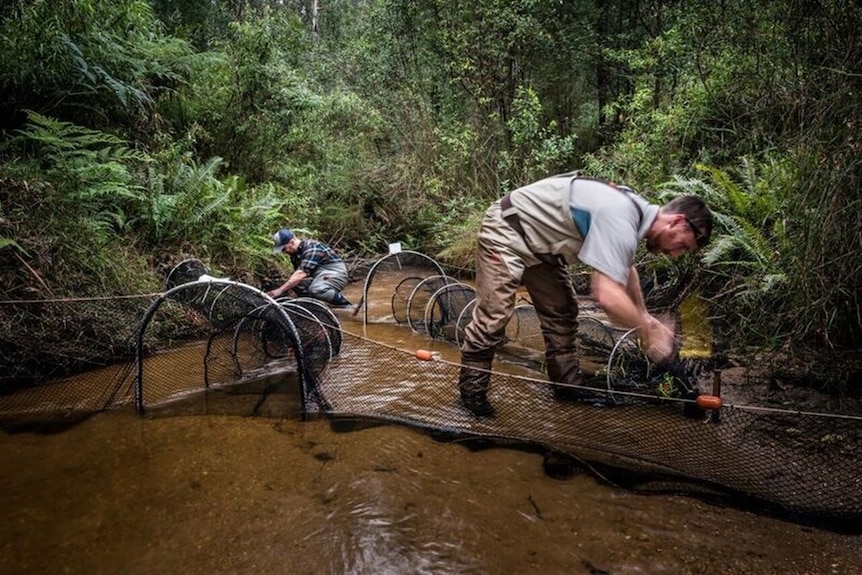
column 241, row 352
column 401, row 297
column 444, row 308
column 420, row 300
column 228, row 332
column 247, row 330
column 406, row 269
column 804, row 465
column 48, row 345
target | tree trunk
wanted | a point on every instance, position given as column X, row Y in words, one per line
column 315, row 18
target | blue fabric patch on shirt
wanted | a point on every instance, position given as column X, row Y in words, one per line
column 582, row 220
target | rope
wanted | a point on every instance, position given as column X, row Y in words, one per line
column 79, row 299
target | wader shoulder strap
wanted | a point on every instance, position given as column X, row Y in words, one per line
column 619, row 187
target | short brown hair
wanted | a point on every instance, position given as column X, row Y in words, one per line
column 697, row 215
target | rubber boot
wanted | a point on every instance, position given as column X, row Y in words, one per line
column 565, row 369
column 340, row 301
column 473, row 383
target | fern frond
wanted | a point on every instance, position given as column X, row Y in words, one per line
column 61, row 136
column 735, row 200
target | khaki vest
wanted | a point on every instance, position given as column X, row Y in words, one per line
column 543, row 210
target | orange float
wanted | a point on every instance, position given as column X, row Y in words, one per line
column 709, row 402
column 424, row 354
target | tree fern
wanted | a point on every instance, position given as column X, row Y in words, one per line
column 748, row 271
column 87, row 164
column 183, row 199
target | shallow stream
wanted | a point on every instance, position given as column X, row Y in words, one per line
column 225, row 494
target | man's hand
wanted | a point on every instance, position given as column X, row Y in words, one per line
column 625, row 306
column 276, row 293
column 659, row 340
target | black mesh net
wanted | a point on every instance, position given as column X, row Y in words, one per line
column 237, row 351
column 421, row 299
column 47, row 346
column 802, row 465
column 445, row 308
column 407, row 270
column 225, row 338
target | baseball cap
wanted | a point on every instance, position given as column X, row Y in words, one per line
column 281, row 237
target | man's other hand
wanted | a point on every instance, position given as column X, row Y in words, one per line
column 659, row 340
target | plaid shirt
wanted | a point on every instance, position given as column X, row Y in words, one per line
column 311, row 255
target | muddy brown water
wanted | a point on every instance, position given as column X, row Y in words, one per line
column 228, row 494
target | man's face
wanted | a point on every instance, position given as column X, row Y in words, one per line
column 674, row 238
column 290, row 247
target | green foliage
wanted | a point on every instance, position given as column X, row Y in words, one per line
column 766, row 269
column 536, row 150
column 193, row 204
column 457, row 226
column 90, row 168
column 199, row 22
column 242, row 101
column 83, row 182
column 101, row 193
column 7, row 243
column 711, row 83
column 93, row 62
column 182, row 200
